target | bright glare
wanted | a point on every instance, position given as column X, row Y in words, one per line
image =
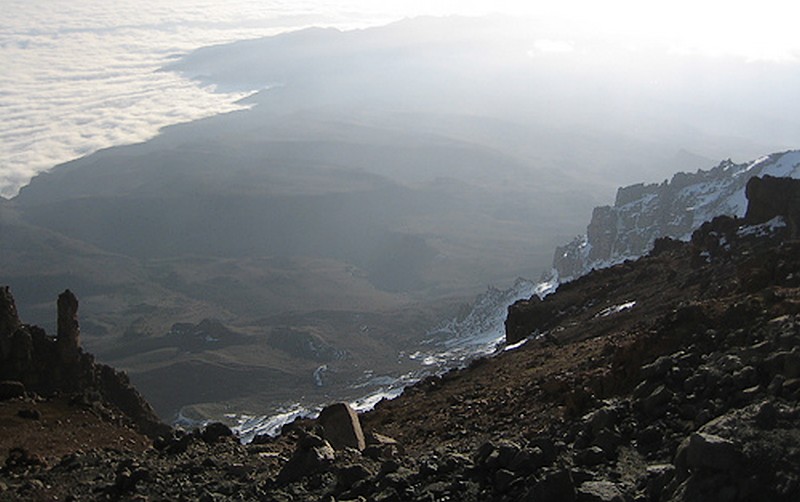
column 80, row 75
column 754, row 30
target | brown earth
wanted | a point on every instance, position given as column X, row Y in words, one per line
column 51, row 428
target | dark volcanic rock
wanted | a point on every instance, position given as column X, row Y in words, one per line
column 215, row 431
column 69, row 331
column 11, row 389
column 313, row 455
column 769, row 197
column 9, row 319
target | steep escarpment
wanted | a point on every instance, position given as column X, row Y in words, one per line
column 625, row 231
column 642, row 213
column 674, row 377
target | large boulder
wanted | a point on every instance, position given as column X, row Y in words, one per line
column 341, row 427
column 769, row 197
column 708, row 451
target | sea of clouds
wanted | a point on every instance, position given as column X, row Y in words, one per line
column 81, row 75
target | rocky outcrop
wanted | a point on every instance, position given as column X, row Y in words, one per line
column 9, row 319
column 68, row 336
column 642, row 213
column 770, row 197
column 46, row 365
column 773, row 204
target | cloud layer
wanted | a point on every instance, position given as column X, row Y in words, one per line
column 83, row 75
column 80, row 75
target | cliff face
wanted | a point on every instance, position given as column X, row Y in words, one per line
column 46, row 365
column 773, row 205
column 641, row 213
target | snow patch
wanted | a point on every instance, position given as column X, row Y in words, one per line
column 515, row 346
column 249, row 426
column 763, row 229
column 367, row 403
column 616, row 309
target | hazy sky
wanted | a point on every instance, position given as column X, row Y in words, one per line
column 80, row 75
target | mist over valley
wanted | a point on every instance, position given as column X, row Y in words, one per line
column 300, row 249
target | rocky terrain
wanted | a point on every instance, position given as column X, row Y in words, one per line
column 350, row 203
column 672, row 377
column 644, row 212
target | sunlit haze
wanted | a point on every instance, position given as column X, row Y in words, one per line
column 82, row 75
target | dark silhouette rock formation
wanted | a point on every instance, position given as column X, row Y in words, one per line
column 69, row 332
column 47, row 365
column 9, row 320
column 771, row 197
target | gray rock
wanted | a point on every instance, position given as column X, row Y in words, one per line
column 650, row 435
column 603, row 419
column 599, row 491
column 507, row 451
column 69, row 331
column 486, row 457
column 453, row 462
column 341, row 426
column 657, row 368
column 9, row 319
column 730, row 363
column 607, row 441
column 776, row 385
column 767, row 415
column 791, row 365
column 381, row 447
column 530, row 459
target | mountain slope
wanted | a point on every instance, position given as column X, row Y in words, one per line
column 670, row 378
column 641, row 214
